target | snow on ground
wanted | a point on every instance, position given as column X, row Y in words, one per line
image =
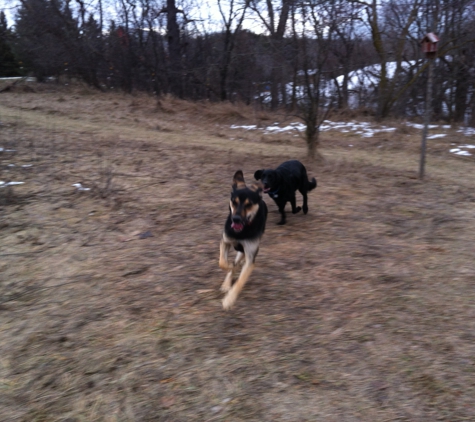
column 461, row 150
column 365, row 130
column 80, row 187
column 5, row 184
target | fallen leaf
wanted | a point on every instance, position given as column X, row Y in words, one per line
column 337, row 332
column 167, row 402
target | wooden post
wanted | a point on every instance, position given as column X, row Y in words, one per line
column 429, row 47
column 427, row 116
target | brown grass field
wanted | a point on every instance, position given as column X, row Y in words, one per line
column 110, row 310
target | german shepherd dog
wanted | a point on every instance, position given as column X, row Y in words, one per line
column 243, row 230
column 282, row 183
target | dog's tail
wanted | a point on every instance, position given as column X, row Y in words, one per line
column 312, row 184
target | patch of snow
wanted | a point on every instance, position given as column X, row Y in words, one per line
column 277, row 129
column 250, row 127
column 419, row 126
column 80, row 187
column 362, row 129
column 467, row 131
column 458, row 151
column 4, row 184
column 415, row 125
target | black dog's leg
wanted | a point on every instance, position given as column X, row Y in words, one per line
column 283, row 218
column 295, row 209
column 305, row 204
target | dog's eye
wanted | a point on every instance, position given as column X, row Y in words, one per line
column 248, row 206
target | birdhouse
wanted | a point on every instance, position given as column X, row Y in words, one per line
column 429, row 45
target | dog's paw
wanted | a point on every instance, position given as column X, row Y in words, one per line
column 226, row 286
column 296, row 210
column 281, row 223
column 229, row 301
column 305, row 209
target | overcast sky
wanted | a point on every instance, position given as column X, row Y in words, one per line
column 205, row 11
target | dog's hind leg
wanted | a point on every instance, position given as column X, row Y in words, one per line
column 226, row 286
column 305, row 205
column 250, row 252
column 293, row 203
column 309, row 185
column 303, row 191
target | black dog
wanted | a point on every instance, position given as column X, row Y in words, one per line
column 282, row 183
column 243, row 230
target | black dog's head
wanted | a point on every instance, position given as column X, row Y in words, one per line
column 244, row 202
column 269, row 178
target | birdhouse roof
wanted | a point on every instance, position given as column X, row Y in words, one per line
column 431, row 37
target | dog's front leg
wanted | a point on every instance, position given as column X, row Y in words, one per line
column 226, row 286
column 250, row 252
column 223, row 255
column 283, row 218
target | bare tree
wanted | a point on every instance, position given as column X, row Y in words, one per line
column 232, row 18
column 276, row 27
column 318, row 21
column 346, row 40
column 389, row 48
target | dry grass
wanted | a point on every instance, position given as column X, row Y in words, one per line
column 363, row 310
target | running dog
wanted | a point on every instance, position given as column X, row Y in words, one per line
column 282, row 183
column 243, row 230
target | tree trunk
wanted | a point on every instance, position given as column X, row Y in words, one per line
column 174, row 50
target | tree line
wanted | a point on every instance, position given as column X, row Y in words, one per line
column 307, row 55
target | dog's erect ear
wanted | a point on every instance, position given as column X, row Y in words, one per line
column 258, row 174
column 238, row 180
column 257, row 187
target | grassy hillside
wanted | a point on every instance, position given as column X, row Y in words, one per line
column 110, row 310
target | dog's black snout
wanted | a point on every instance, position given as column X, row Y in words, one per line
column 237, row 219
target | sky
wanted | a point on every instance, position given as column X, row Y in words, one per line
column 8, row 7
column 206, row 12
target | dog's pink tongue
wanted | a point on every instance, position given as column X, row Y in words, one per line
column 237, row 226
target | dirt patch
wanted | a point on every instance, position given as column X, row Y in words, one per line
column 109, row 293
